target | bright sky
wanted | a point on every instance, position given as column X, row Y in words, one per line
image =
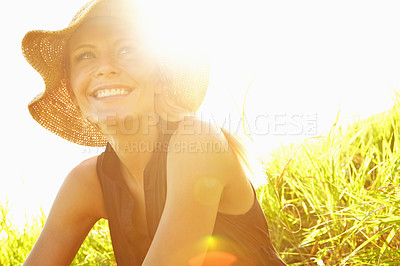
column 301, row 61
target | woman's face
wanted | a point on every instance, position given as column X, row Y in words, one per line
column 111, row 75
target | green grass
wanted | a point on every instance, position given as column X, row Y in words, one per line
column 332, row 200
column 337, row 197
column 15, row 244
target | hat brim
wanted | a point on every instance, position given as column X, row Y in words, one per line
column 54, row 108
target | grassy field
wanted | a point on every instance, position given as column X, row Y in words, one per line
column 338, row 196
column 332, row 200
column 15, row 244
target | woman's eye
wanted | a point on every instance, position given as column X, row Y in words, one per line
column 85, row 56
column 125, row 51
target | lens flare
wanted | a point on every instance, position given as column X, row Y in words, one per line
column 216, row 254
column 213, row 258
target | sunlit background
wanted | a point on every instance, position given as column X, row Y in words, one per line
column 291, row 66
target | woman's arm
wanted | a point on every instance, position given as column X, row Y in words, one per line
column 196, row 179
column 78, row 205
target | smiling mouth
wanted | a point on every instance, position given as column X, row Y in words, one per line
column 111, row 92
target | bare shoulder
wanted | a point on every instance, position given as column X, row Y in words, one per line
column 200, row 151
column 85, row 171
column 76, row 208
column 200, row 144
column 83, row 185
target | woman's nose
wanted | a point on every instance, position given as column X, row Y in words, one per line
column 106, row 68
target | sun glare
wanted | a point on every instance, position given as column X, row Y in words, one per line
column 289, row 69
column 172, row 27
column 223, row 30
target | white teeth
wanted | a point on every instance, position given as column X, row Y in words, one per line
column 110, row 92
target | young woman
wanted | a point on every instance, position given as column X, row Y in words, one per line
column 173, row 188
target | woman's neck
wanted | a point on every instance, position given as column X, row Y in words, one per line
column 134, row 142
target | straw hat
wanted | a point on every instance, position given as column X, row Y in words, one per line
column 186, row 82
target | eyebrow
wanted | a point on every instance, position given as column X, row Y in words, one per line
column 82, row 46
column 135, row 40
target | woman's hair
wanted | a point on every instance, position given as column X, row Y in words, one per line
column 167, row 110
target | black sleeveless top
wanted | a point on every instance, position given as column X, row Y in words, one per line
column 243, row 238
